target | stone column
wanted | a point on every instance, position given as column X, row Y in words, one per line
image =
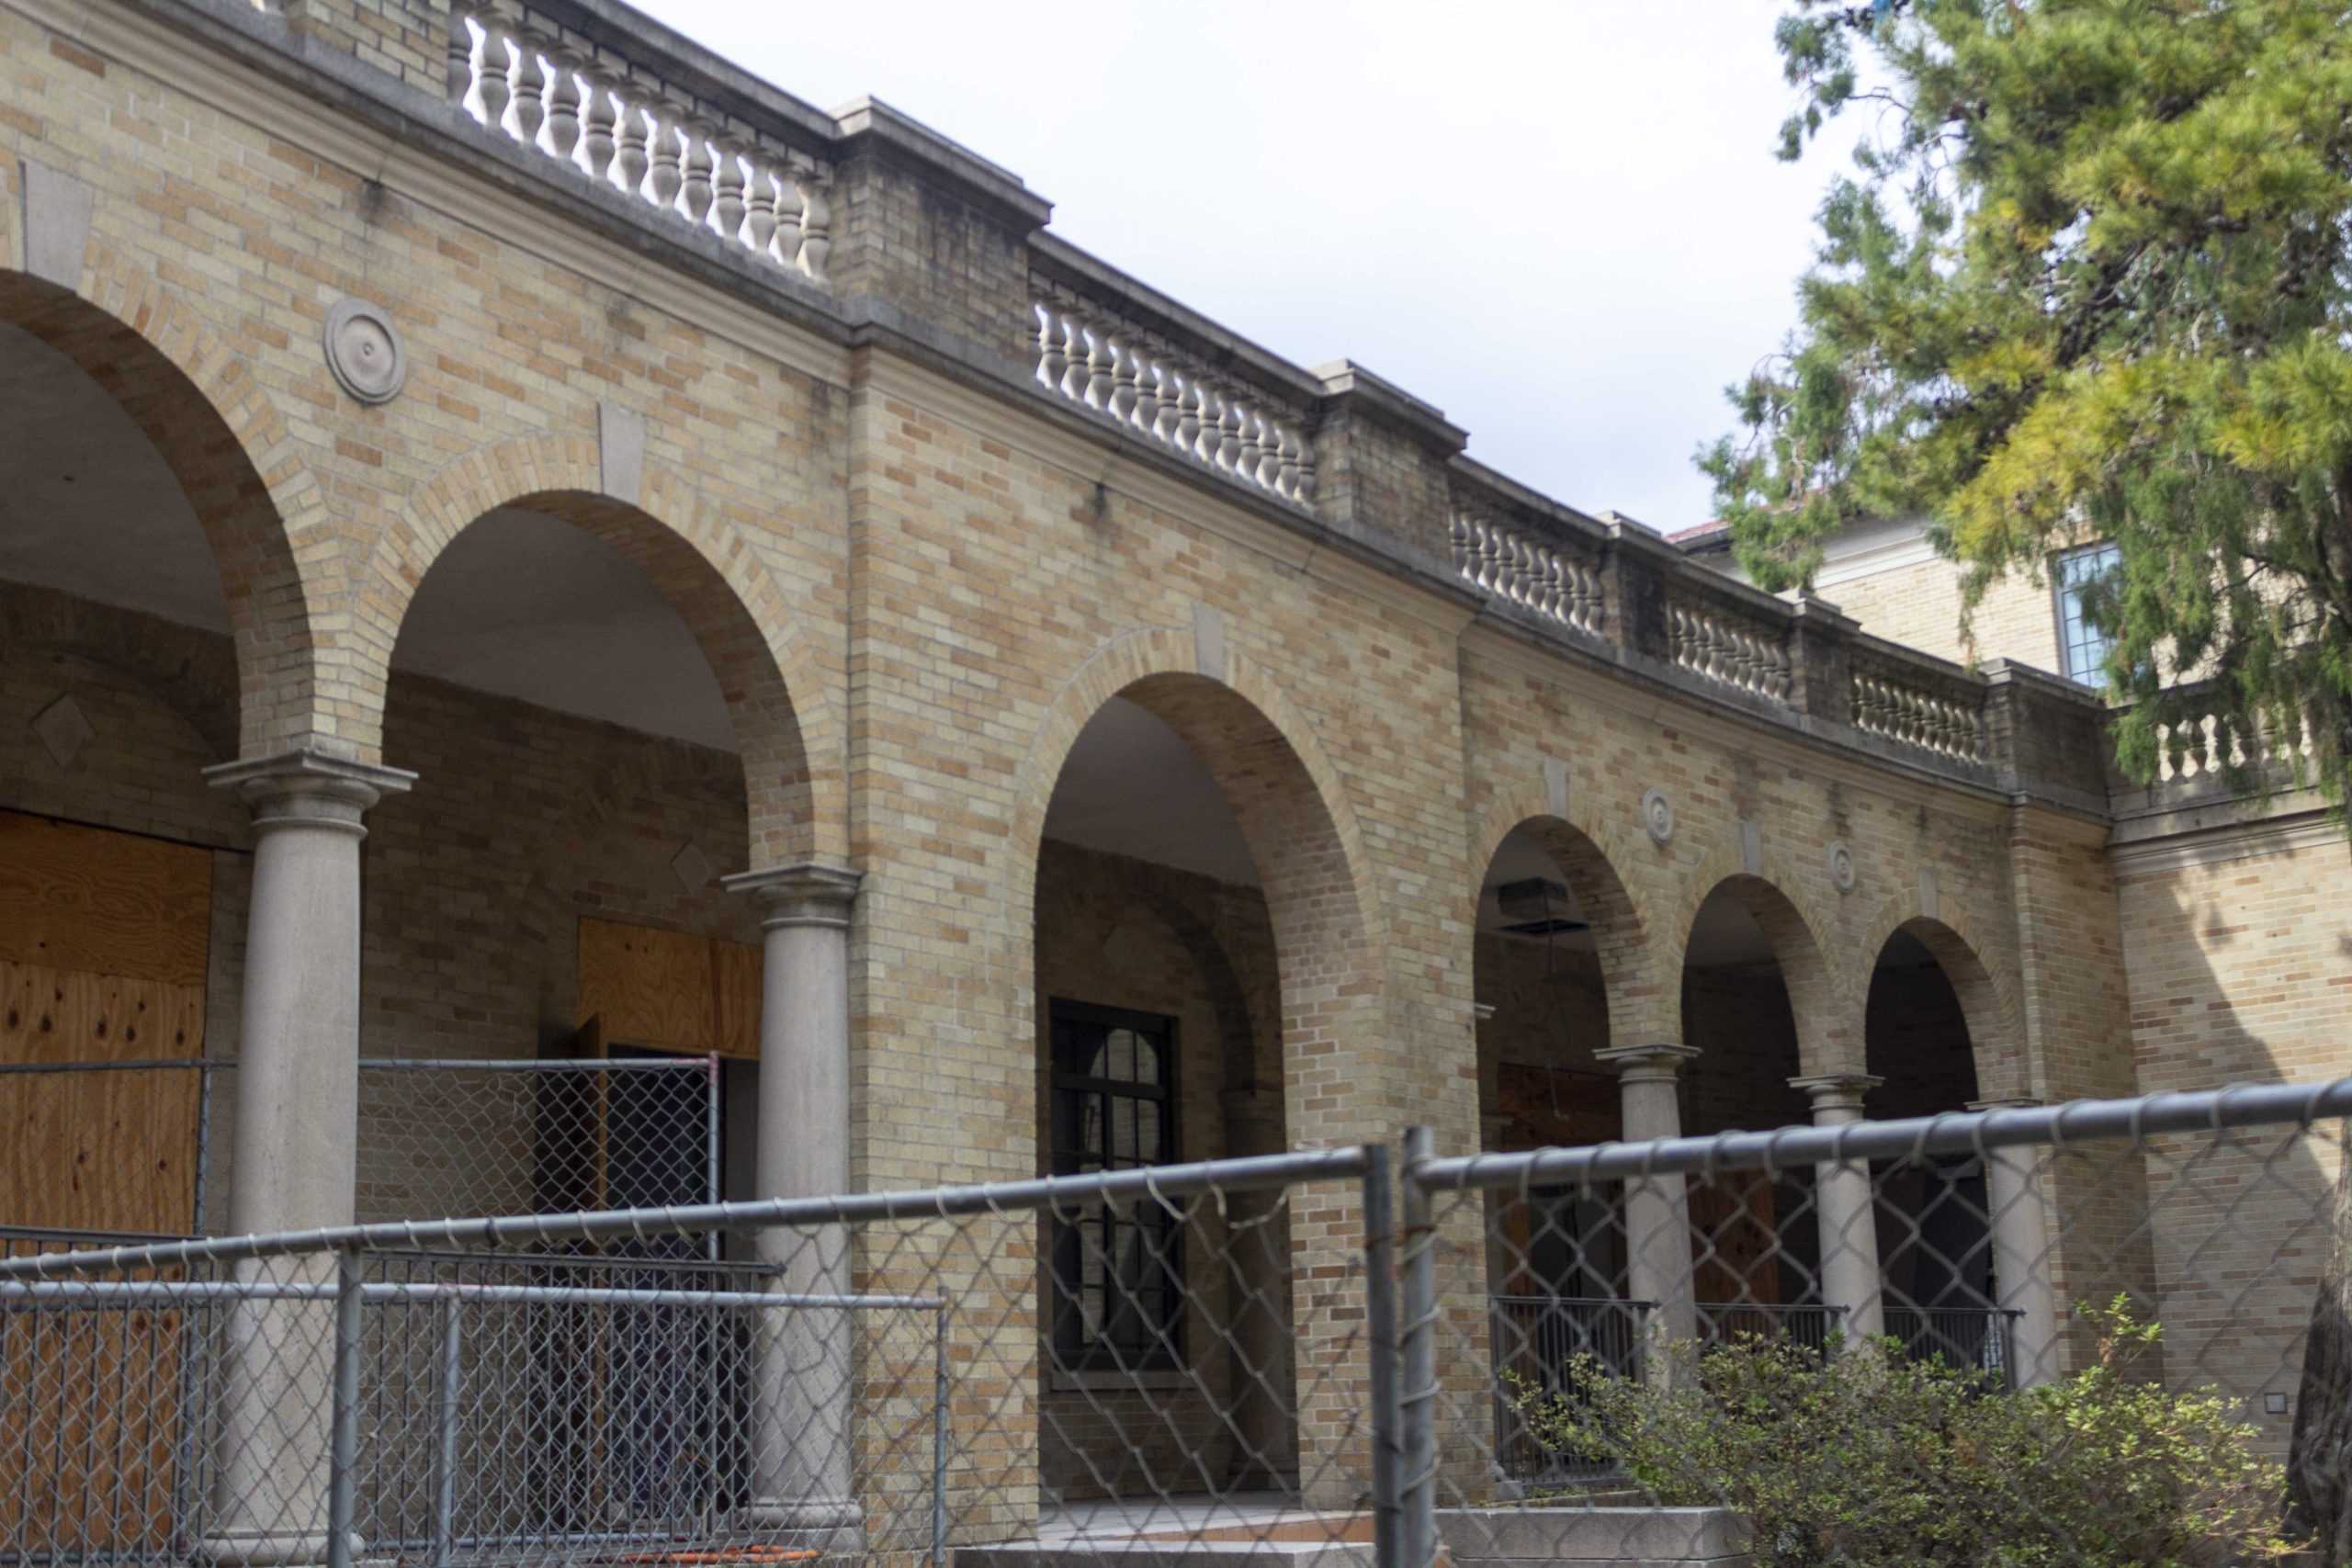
column 294, row 1165
column 1847, row 1209
column 1258, row 1295
column 802, row 1390
column 1658, row 1208
column 2022, row 1266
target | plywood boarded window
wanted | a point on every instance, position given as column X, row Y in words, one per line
column 102, row 939
column 668, row 990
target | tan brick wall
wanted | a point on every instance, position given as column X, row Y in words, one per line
column 1919, row 605
column 2241, row 965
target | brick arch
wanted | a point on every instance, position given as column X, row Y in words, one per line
column 1989, row 1002
column 1829, row 1038
column 194, row 399
column 702, row 563
column 1331, row 945
column 1588, row 853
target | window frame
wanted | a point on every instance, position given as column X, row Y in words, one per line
column 1070, row 1347
column 2095, row 678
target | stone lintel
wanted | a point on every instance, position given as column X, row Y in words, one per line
column 807, row 893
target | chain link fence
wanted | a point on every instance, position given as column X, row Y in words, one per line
column 436, row 1137
column 2064, row 1336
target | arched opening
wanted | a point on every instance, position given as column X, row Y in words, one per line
column 600, row 736
column 1198, row 953
column 1935, row 1244
column 1753, row 986
column 1554, row 930
column 149, row 610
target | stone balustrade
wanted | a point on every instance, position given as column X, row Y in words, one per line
column 1748, row 654
column 2201, row 738
column 519, row 72
column 1513, row 562
column 1108, row 360
column 1910, row 708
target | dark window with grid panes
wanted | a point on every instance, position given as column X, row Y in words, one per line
column 1118, row 1274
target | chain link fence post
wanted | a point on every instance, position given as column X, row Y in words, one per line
column 1380, row 1308
column 1417, row 1404
column 343, row 1453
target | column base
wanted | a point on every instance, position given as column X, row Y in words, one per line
column 830, row 1525
column 267, row 1548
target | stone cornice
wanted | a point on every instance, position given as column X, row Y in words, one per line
column 2154, row 846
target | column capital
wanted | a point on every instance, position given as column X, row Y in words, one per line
column 306, row 788
column 808, row 894
column 1646, row 1064
column 2009, row 1102
column 1838, row 1092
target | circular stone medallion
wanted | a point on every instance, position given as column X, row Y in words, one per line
column 364, row 351
column 1841, row 866
column 1657, row 814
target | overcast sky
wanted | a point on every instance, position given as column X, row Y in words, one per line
column 1559, row 221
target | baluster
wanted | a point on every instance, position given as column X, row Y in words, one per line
column 1305, row 488
column 531, row 89
column 563, row 102
column 1676, row 634
column 497, row 86
column 817, row 224
column 666, row 176
column 790, row 207
column 599, row 122
column 1188, row 417
column 1286, row 466
column 1074, row 326
column 459, row 71
column 1211, row 406
column 634, row 133
column 1548, row 584
column 1171, row 405
column 1122, row 403
column 728, row 203
column 1228, row 432
column 1148, row 394
column 758, row 211
column 1270, row 453
column 698, row 169
column 1101, row 354
column 1246, row 460
column 1051, row 362
column 1458, row 533
column 1491, row 556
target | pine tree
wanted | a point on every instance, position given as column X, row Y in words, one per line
column 2089, row 281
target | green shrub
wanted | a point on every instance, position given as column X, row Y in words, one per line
column 1866, row 1458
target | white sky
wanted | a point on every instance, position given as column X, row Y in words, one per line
column 1559, row 221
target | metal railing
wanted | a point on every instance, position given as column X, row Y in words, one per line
column 1980, row 1338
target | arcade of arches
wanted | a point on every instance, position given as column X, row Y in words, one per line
column 804, row 671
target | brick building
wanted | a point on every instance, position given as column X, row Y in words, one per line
column 525, row 541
